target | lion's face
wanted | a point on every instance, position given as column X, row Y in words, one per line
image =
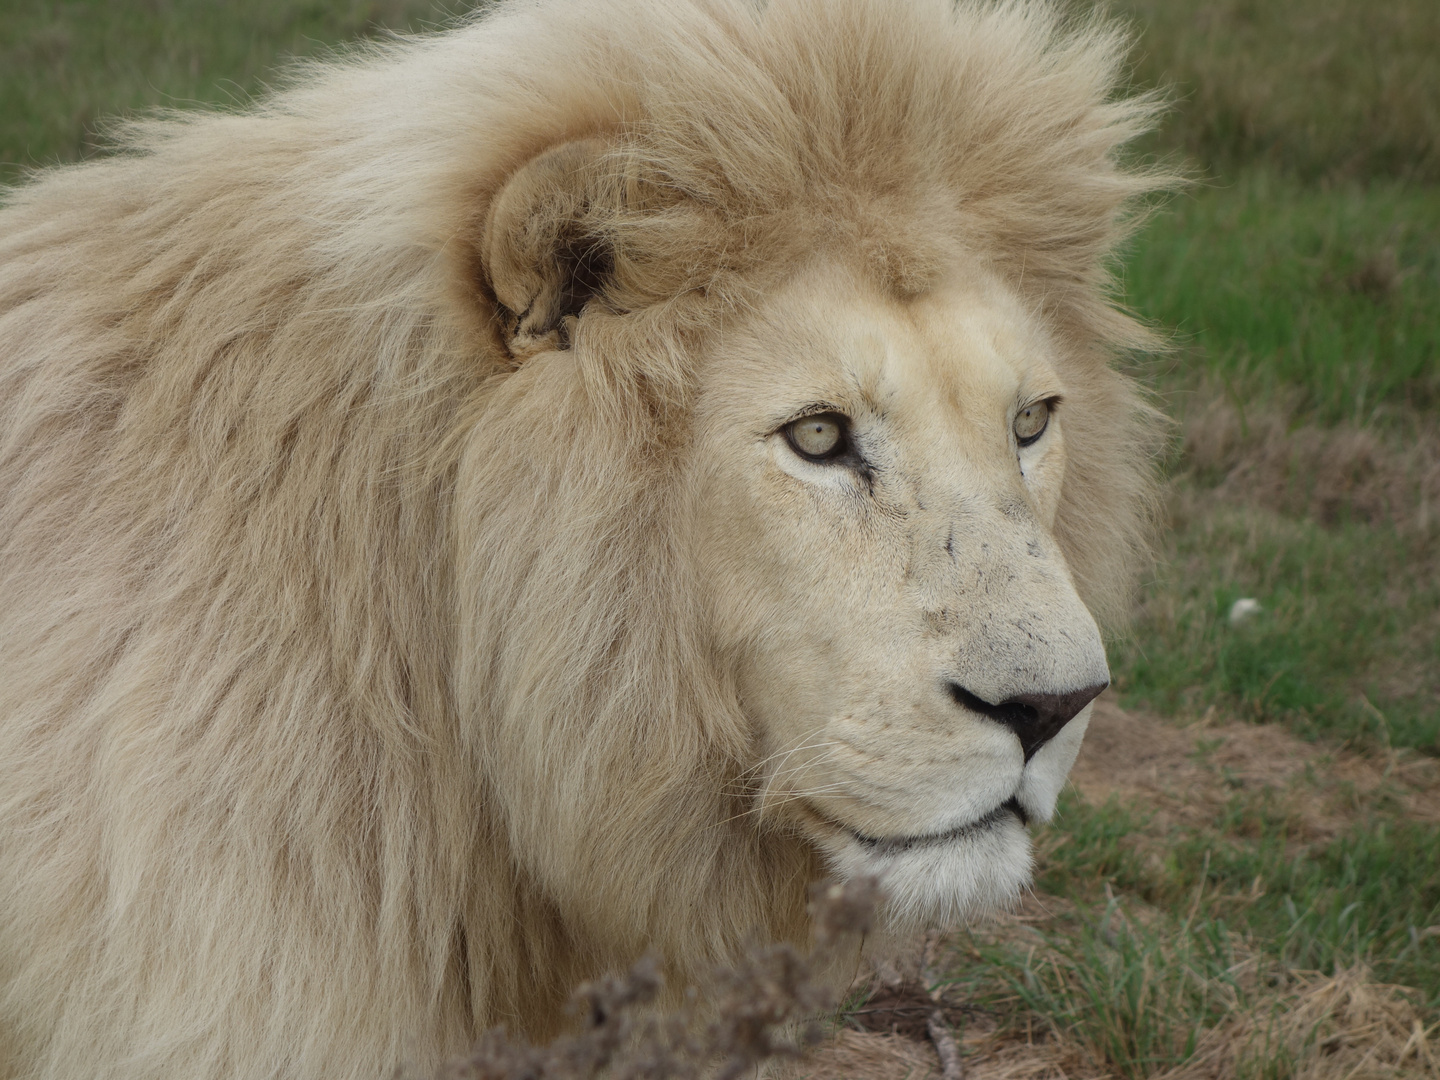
column 874, row 486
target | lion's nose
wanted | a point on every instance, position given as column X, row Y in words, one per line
column 1034, row 718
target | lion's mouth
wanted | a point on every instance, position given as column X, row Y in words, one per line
column 884, row 845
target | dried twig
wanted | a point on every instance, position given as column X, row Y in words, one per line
column 936, row 1025
column 944, row 1040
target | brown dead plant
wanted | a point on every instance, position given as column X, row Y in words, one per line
column 767, row 1007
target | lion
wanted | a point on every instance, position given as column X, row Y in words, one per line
column 548, row 491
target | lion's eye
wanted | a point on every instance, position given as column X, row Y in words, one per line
column 818, row 438
column 1031, row 422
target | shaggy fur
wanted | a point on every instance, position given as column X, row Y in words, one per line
column 353, row 697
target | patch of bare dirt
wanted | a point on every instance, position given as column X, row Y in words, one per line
column 899, row 1009
column 1187, row 775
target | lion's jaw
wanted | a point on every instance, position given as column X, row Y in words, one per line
column 878, row 605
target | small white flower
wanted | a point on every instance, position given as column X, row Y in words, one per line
column 1243, row 609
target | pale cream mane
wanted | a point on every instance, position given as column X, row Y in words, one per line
column 331, row 623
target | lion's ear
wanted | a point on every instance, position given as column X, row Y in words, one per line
column 544, row 250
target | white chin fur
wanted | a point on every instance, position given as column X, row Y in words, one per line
column 944, row 883
column 949, row 882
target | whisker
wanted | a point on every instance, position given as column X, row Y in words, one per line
column 759, row 765
column 772, row 800
column 743, row 783
column 756, row 772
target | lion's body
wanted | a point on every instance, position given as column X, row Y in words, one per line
column 351, row 695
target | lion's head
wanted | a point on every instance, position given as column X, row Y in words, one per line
column 839, row 469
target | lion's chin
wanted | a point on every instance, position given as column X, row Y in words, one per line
column 945, row 879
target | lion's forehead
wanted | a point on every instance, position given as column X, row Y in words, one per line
column 949, row 365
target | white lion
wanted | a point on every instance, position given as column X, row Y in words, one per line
column 541, row 493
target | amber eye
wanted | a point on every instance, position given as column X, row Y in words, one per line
column 819, row 437
column 1031, row 421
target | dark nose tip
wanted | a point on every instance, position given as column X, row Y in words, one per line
column 1034, row 718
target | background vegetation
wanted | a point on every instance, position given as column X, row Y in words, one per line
column 1301, row 280
column 69, row 66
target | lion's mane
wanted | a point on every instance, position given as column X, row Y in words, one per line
column 352, row 698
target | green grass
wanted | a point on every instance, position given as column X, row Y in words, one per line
column 1328, row 297
column 1314, row 316
column 68, row 65
column 1346, row 643
column 1158, row 952
column 1363, row 897
column 1132, row 993
column 1301, row 281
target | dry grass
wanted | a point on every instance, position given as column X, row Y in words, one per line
column 1266, row 455
column 1340, row 1027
